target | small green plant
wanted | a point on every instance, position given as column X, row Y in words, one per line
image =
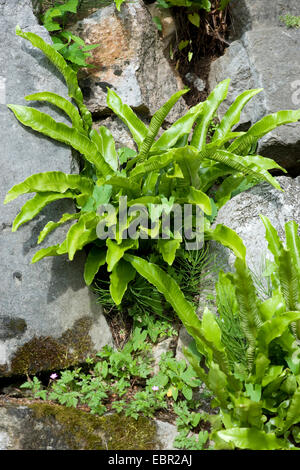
column 186, row 423
column 122, row 380
column 175, row 377
column 290, row 21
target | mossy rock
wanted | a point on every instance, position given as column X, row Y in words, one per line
column 40, row 426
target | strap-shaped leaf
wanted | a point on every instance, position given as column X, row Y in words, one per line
column 54, row 250
column 275, row 245
column 249, row 313
column 120, row 277
column 116, row 251
column 179, row 129
column 128, row 185
column 32, row 207
column 245, row 165
column 96, row 258
column 158, row 162
column 268, row 123
column 209, row 109
column 50, row 226
column 50, row 181
column 195, row 196
column 137, row 128
column 289, row 278
column 293, row 242
column 106, row 146
column 274, row 328
column 167, row 286
column 252, row 439
column 45, row 124
column 62, row 104
column 292, row 416
column 168, row 249
column 233, row 114
column 68, row 73
column 228, row 238
column 81, row 233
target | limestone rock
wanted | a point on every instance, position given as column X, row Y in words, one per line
column 48, row 317
column 254, row 14
column 130, row 60
column 40, row 426
column 241, row 214
column 119, row 131
column 168, row 26
column 265, row 58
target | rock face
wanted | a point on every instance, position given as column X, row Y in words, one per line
column 241, row 214
column 264, row 55
column 40, row 426
column 47, row 315
column 254, row 14
column 130, row 60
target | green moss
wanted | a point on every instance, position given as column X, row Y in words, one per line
column 47, row 353
column 84, row 431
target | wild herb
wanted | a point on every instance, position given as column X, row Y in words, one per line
column 70, row 46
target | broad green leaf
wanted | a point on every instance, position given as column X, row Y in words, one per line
column 96, row 258
column 68, row 73
column 61, row 103
column 218, row 384
column 45, row 124
column 211, row 328
column 293, row 242
column 81, row 233
column 274, row 328
column 228, row 238
column 292, row 416
column 106, row 146
column 137, row 128
column 50, row 251
column 119, row 3
column 274, row 243
column 195, row 196
column 51, row 181
column 120, row 277
column 233, row 114
column 209, row 109
column 50, row 226
column 252, row 439
column 32, row 207
column 268, row 123
column 194, row 18
column 180, row 128
column 167, row 286
column 116, row 251
column 168, row 249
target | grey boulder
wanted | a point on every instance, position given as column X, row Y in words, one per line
column 264, row 55
column 242, row 213
column 48, row 317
